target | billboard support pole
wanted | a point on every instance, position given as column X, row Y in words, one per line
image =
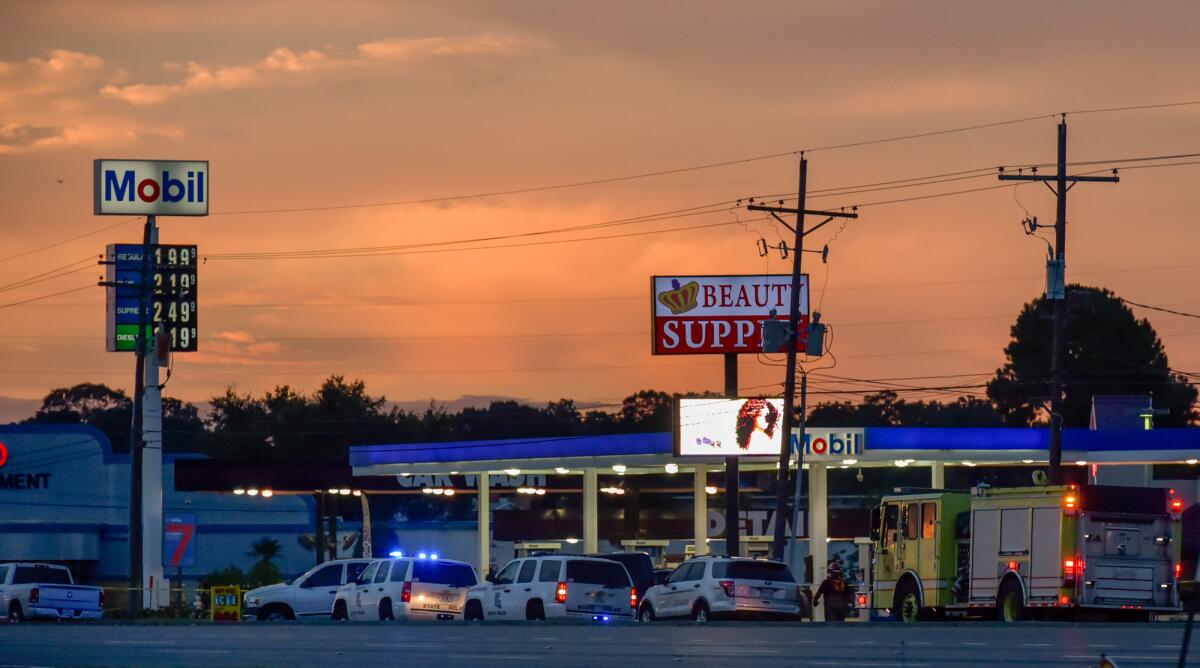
column 732, row 479
column 793, row 555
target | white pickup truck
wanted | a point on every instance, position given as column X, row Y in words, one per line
column 46, row 591
column 310, row 595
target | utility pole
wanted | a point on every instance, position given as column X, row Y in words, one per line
column 733, row 523
column 136, row 437
column 789, row 394
column 1056, row 287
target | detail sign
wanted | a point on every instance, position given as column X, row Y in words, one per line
column 150, row 187
column 704, row 315
column 729, row 427
column 173, row 304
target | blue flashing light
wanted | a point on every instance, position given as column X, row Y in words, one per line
column 600, row 618
column 423, row 556
column 433, row 556
column 395, row 554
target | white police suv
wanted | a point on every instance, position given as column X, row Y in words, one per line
column 421, row 587
column 552, row 586
column 711, row 586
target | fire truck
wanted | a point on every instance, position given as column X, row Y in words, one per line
column 1014, row 553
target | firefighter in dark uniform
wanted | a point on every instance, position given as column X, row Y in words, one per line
column 835, row 592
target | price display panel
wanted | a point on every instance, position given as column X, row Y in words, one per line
column 173, row 304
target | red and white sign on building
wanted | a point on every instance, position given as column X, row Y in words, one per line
column 699, row 315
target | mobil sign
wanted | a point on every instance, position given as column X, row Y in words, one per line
column 835, row 444
column 150, row 187
column 696, row 315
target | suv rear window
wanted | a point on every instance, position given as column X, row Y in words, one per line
column 752, row 570
column 607, row 573
column 35, row 575
column 455, row 575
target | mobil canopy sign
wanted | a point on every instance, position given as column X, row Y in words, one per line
column 836, row 444
column 150, row 187
column 695, row 315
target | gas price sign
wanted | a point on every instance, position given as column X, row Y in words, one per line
column 173, row 304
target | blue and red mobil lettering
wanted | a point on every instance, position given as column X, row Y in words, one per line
column 123, row 186
column 831, row 444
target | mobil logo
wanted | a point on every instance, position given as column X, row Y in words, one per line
column 151, row 187
column 832, row 444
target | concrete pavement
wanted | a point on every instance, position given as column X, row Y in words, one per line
column 719, row 644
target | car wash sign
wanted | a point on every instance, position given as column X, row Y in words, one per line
column 150, row 187
column 704, row 315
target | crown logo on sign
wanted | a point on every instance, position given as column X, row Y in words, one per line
column 681, row 299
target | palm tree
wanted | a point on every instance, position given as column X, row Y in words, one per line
column 265, row 549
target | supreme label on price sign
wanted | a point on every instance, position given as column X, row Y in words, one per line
column 699, row 315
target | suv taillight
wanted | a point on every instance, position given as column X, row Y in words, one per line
column 633, row 598
column 1178, row 570
column 35, row 595
column 560, row 593
column 727, row 585
column 406, row 593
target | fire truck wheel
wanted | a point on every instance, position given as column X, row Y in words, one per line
column 908, row 602
column 1010, row 604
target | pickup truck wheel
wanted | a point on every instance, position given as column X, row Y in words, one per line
column 646, row 614
column 385, row 611
column 276, row 613
column 1010, row 604
column 15, row 614
column 473, row 611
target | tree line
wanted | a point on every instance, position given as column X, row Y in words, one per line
column 1109, row 351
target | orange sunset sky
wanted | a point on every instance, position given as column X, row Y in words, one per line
column 328, row 106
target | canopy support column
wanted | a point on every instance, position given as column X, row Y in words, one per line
column 484, row 503
column 818, row 527
column 591, row 512
column 937, row 474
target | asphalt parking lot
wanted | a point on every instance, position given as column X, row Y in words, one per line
column 560, row 644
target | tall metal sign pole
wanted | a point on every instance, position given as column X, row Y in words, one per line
column 733, row 524
column 1056, row 288
column 789, row 392
column 136, row 435
column 151, row 296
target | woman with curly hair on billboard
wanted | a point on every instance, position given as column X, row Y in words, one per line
column 756, row 424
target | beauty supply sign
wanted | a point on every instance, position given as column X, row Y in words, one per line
column 150, row 187
column 745, row 427
column 708, row 315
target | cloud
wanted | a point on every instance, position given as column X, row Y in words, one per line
column 200, row 78
column 284, row 64
column 439, row 47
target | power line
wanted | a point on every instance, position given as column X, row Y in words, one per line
column 69, row 240
column 46, row 275
column 55, row 294
column 1159, row 308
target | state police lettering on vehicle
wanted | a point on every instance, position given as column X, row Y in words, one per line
column 150, row 187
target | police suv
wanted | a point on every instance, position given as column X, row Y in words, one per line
column 552, row 586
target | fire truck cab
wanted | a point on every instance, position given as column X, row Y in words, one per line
column 1014, row 551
